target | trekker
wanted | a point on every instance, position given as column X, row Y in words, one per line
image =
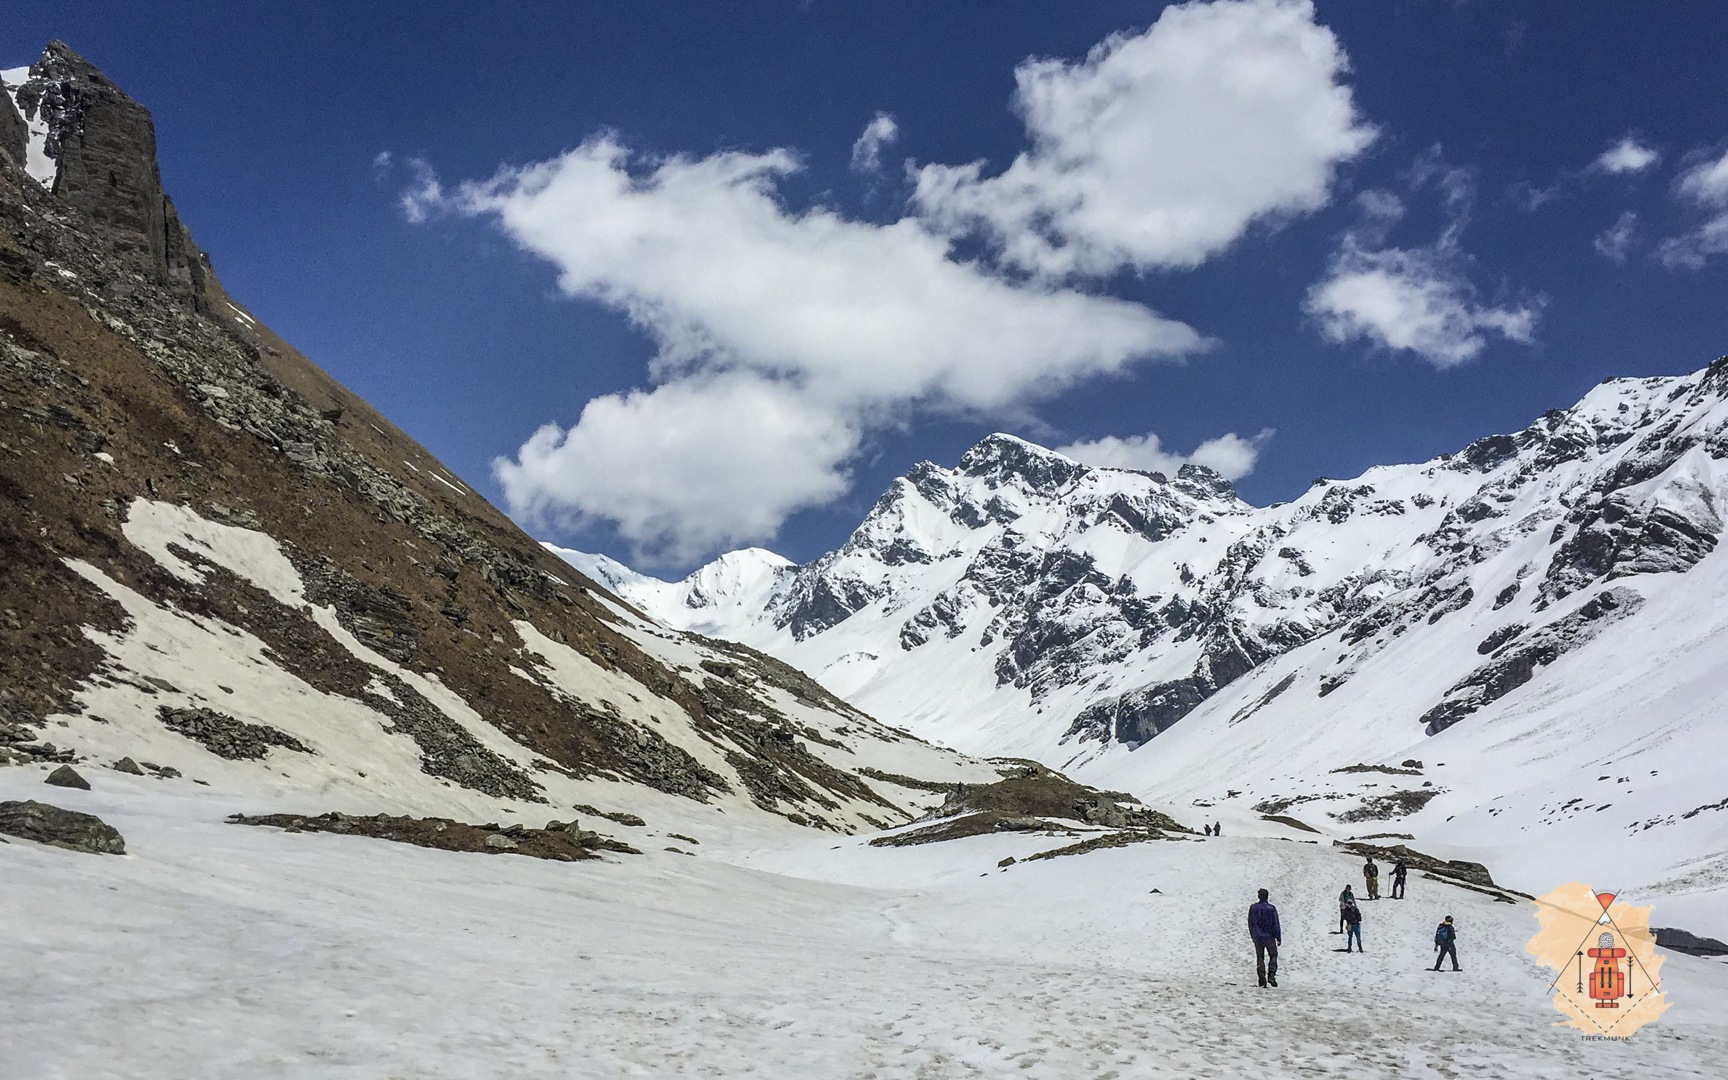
column 1264, row 929
column 1399, row 873
column 1446, row 944
column 1346, row 899
column 1371, row 878
column 1217, row 828
column 1353, row 920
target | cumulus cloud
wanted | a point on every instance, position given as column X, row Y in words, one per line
column 1161, row 148
column 1703, row 185
column 1230, row 455
column 1615, row 242
column 1627, row 156
column 782, row 337
column 867, row 151
column 1413, row 299
column 693, row 465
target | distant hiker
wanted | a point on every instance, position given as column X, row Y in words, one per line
column 1399, row 873
column 1208, row 829
column 1353, row 922
column 1371, row 877
column 1217, row 828
column 1446, row 944
column 1346, row 900
column 1264, row 929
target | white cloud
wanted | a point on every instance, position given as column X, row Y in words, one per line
column 867, row 151
column 1162, row 148
column 1705, row 186
column 424, row 195
column 1230, row 455
column 694, row 465
column 764, row 316
column 1615, row 242
column 1411, row 299
column 1627, row 156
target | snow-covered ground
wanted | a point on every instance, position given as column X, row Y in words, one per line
column 214, row 950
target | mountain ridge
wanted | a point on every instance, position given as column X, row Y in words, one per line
column 1134, row 628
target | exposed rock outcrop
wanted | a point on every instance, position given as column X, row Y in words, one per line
column 54, row 826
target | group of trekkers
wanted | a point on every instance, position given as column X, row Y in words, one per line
column 1267, row 934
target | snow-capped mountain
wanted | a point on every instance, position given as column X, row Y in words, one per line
column 1536, row 610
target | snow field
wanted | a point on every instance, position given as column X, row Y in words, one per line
column 214, row 950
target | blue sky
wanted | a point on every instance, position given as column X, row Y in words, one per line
column 1300, row 240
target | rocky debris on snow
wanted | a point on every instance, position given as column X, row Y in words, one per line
column 938, row 787
column 559, row 841
column 1394, row 770
column 128, row 766
column 1684, row 942
column 225, row 736
column 1031, row 798
column 1100, row 843
column 1385, row 807
column 610, row 815
column 1286, row 820
column 67, row 776
column 67, row 829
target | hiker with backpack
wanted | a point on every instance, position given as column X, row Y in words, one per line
column 1346, row 900
column 1399, row 873
column 1371, row 877
column 1353, row 921
column 1446, row 944
column 1268, row 935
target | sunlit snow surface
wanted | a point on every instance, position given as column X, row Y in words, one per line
column 37, row 163
column 221, row 951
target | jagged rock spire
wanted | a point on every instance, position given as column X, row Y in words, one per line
column 103, row 147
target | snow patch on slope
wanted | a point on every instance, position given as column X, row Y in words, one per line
column 37, row 163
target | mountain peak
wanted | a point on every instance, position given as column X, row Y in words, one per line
column 1002, row 456
column 90, row 145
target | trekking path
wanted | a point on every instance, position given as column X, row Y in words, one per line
column 213, row 950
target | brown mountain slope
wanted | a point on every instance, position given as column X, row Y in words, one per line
column 200, row 530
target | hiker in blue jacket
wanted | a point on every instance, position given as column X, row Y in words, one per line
column 1446, row 944
column 1268, row 935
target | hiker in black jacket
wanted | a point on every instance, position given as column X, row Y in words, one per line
column 1399, row 873
column 1446, row 944
column 1353, row 920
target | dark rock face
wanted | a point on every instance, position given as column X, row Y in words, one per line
column 14, row 135
column 1005, row 459
column 1516, row 663
column 67, row 776
column 104, row 147
column 67, row 829
column 1682, row 941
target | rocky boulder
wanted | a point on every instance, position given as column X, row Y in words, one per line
column 67, row 829
column 67, row 776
